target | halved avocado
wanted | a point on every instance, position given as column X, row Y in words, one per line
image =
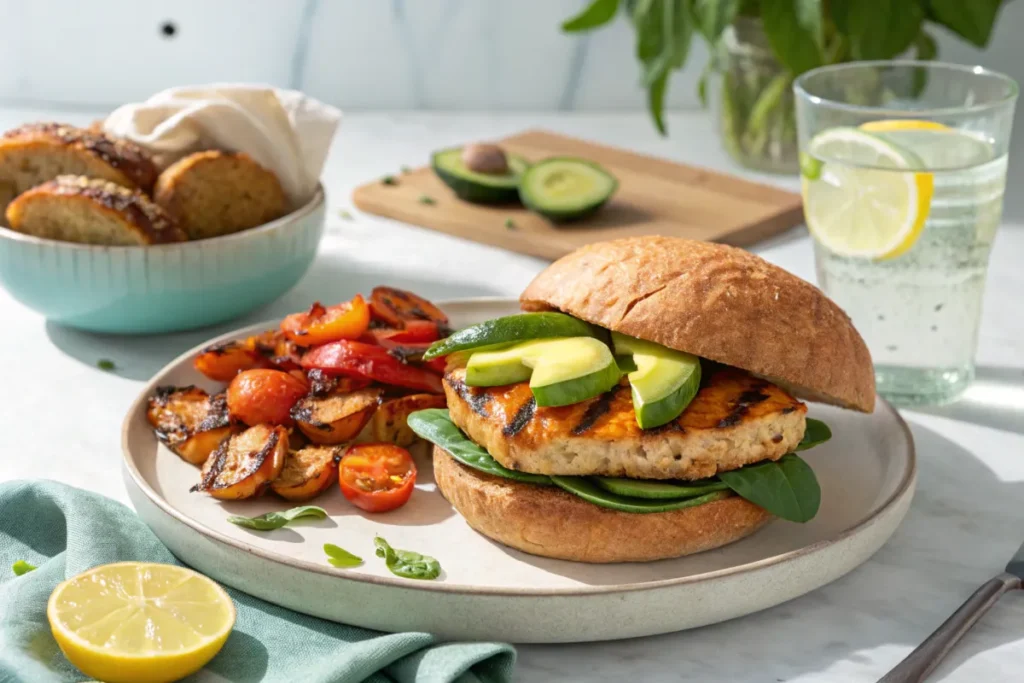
column 483, row 188
column 566, row 188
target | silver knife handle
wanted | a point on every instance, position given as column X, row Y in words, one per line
column 928, row 654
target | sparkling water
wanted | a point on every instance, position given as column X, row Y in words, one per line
column 919, row 312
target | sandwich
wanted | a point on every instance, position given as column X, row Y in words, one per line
column 647, row 404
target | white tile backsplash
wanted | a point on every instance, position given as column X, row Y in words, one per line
column 357, row 54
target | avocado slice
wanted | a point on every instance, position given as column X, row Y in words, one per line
column 587, row 490
column 566, row 188
column 658, row 490
column 561, row 371
column 664, row 382
column 511, row 328
column 482, row 188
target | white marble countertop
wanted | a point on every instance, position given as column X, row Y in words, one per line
column 61, row 417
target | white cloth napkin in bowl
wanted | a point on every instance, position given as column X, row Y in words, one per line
column 283, row 130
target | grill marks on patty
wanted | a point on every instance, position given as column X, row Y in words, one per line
column 596, row 410
column 521, row 418
column 743, row 403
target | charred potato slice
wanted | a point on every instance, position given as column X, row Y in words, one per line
column 221, row 362
column 321, row 384
column 189, row 421
column 337, row 417
column 307, row 472
column 390, row 424
column 244, row 465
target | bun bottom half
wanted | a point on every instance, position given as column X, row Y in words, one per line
column 547, row 521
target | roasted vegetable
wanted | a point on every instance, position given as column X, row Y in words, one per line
column 372, row 362
column 396, row 306
column 390, row 422
column 264, row 396
column 321, row 324
column 277, row 349
column 244, row 465
column 377, row 477
column 321, row 384
column 221, row 362
column 337, row 417
column 307, row 472
column 189, row 421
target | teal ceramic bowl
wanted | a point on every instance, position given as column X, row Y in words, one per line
column 161, row 288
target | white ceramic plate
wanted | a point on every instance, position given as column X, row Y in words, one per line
column 487, row 591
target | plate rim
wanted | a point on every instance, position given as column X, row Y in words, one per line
column 906, row 485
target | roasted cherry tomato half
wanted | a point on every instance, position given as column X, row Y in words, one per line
column 396, row 307
column 222, row 362
column 264, row 396
column 372, row 362
column 377, row 477
column 320, row 325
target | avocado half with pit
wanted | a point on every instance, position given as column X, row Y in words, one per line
column 482, row 188
column 566, row 188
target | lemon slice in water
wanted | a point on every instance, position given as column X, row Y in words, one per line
column 868, row 200
column 136, row 622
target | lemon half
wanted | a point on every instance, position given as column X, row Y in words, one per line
column 136, row 622
column 869, row 200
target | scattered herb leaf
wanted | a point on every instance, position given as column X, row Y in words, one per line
column 510, row 224
column 389, row 180
column 347, row 215
column 406, row 169
column 276, row 520
column 339, row 557
column 22, row 567
column 406, row 563
column 106, row 364
column 427, row 199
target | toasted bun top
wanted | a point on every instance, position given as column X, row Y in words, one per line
column 717, row 302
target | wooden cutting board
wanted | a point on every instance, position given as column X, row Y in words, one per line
column 655, row 197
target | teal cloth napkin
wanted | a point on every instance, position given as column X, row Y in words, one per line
column 65, row 531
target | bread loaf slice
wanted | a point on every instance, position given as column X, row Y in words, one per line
column 35, row 153
column 216, row 193
column 91, row 211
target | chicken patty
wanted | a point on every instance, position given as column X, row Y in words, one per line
column 736, row 419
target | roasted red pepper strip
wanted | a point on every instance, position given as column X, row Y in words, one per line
column 372, row 362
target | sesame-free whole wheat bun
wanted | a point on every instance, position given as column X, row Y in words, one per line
column 547, row 521
column 717, row 302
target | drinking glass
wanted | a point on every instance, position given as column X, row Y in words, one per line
column 903, row 167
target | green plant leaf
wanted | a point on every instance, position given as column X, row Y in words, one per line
column 816, row 432
column 276, row 520
column 656, row 102
column 341, row 558
column 878, row 29
column 21, row 567
column 794, row 30
column 972, row 20
column 406, row 563
column 436, row 426
column 710, row 17
column 596, row 14
column 786, row 488
column 663, row 31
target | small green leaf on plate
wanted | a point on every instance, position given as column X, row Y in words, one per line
column 341, row 558
column 276, row 520
column 22, row 567
column 407, row 564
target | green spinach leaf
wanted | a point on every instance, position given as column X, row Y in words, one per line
column 21, row 567
column 339, row 557
column 816, row 433
column 971, row 19
column 786, row 488
column 592, row 493
column 436, row 426
column 276, row 520
column 596, row 14
column 794, row 30
column 406, row 563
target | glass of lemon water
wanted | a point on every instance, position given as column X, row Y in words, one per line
column 903, row 168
